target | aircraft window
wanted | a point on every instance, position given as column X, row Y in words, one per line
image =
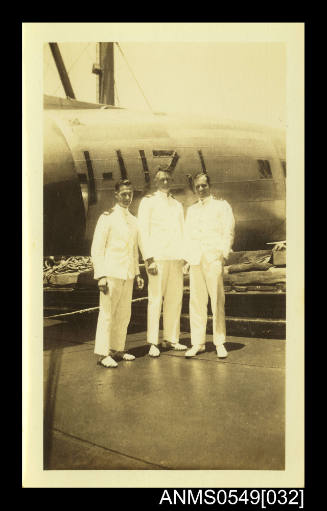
column 82, row 178
column 162, row 153
column 230, row 168
column 283, row 162
column 107, row 175
column 264, row 169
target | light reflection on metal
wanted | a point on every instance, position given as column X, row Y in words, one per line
column 91, row 181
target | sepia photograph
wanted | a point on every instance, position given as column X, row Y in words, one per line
column 163, row 239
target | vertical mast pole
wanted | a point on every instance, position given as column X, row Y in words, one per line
column 106, row 77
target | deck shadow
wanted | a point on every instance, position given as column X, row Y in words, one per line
column 141, row 351
column 230, row 346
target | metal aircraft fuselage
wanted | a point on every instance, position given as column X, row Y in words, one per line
column 86, row 150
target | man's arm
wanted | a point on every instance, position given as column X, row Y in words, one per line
column 144, row 228
column 139, row 280
column 136, row 251
column 229, row 228
column 99, row 245
column 187, row 234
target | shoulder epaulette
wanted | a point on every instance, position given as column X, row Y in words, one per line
column 108, row 212
column 219, row 199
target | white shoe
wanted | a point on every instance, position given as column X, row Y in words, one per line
column 178, row 347
column 174, row 345
column 154, row 351
column 128, row 357
column 221, row 351
column 108, row 362
column 197, row 348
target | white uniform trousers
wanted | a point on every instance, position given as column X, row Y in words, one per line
column 114, row 316
column 207, row 279
column 166, row 286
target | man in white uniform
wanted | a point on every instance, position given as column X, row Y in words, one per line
column 115, row 259
column 209, row 232
column 161, row 224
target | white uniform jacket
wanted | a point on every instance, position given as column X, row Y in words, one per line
column 114, row 249
column 209, row 230
column 161, row 225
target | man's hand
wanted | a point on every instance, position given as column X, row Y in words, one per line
column 186, row 267
column 139, row 282
column 103, row 285
column 153, row 268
